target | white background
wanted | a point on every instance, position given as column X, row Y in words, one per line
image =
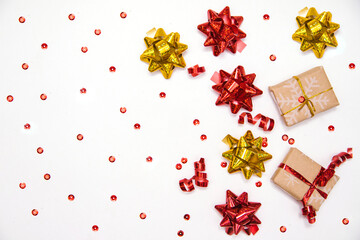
column 167, row 132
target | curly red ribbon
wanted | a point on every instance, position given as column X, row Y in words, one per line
column 200, row 177
column 196, row 70
column 321, row 180
column 266, row 123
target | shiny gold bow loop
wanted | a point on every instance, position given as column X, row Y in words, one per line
column 305, row 100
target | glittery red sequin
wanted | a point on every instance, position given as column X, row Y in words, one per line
column 22, row 185
column 27, row 126
column 83, row 90
column 184, row 160
column 71, row 197
column 21, row 19
column 40, row 150
column 282, row 229
column 112, row 159
column 80, row 137
column 47, row 176
column 112, row 69
column 34, row 212
column 272, row 57
column 10, row 98
column 186, row 217
column 113, row 198
column 291, row 141
column 97, row 31
column 84, row 49
column 352, row 66
column 345, row 221
column 180, row 233
column 264, row 144
column 224, row 164
column 123, row 109
column 149, row 159
column 71, row 17
column 25, row 66
column 203, row 137
column 178, row 166
column 142, row 215
column 266, row 17
column 196, row 122
column 123, row 14
column 95, row 228
column 301, row 99
column 162, row 95
column 258, row 184
column 44, row 46
column 43, row 97
column 285, row 137
column 137, row 126
column 331, row 128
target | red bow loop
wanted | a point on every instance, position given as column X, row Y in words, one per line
column 200, row 178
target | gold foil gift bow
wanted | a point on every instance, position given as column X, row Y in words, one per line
column 306, row 101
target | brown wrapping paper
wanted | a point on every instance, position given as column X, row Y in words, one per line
column 287, row 93
column 308, row 169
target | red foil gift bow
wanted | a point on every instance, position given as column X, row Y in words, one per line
column 200, row 177
column 264, row 121
column 321, row 180
column 196, row 70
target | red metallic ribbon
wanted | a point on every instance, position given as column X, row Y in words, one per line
column 196, row 70
column 264, row 121
column 200, row 178
column 321, row 180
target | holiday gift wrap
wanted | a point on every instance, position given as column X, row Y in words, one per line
column 309, row 169
column 304, row 95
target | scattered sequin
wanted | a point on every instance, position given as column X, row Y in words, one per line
column 301, row 99
column 71, row 197
column 142, row 215
column 113, row 198
column 47, row 176
column 10, row 98
column 22, row 185
column 203, row 137
column 95, row 228
column 291, row 141
column 180, row 233
column 282, row 229
column 196, row 122
column 21, row 19
column 285, row 137
column 83, row 90
column 71, row 17
column 258, row 184
column 40, row 150
column 97, row 31
column 162, row 95
column 224, row 164
column 84, row 49
column 43, row 97
column 266, row 17
column 111, row 159
column 123, row 109
column 186, row 217
column 272, row 57
column 27, row 126
column 44, row 46
column 80, row 137
column 178, row 166
column 34, row 212
column 112, row 69
column 25, row 66
column 137, row 126
column 345, row 221
column 331, row 128
column 184, row 160
column 264, row 144
column 123, row 14
column 149, row 159
column 352, row 66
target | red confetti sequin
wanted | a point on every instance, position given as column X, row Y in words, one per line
column 258, row 184
column 203, row 137
column 266, row 17
column 22, row 185
column 184, row 160
column 187, row 217
column 331, row 128
column 123, row 109
column 123, row 15
column 272, row 57
column 27, row 126
column 137, row 126
column 301, row 99
column 44, row 46
column 112, row 159
column 345, row 221
column 25, row 66
column 224, row 164
column 196, row 122
column 84, row 49
column 112, row 69
column 95, row 228
column 40, row 150
column 43, row 97
column 264, row 144
column 10, row 98
column 291, row 141
column 80, row 137
column 83, row 90
column 21, row 19
column 285, row 137
column 282, row 229
column 162, row 95
column 71, row 17
column 97, row 31
column 113, row 198
column 180, row 233
column 352, row 66
column 142, row 215
column 149, row 159
column 71, row 197
column 34, row 212
column 178, row 166
column 47, row 176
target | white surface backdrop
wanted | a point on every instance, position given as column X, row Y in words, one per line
column 167, row 132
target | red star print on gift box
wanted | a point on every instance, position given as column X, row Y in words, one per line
column 236, row 89
column 239, row 214
column 222, row 31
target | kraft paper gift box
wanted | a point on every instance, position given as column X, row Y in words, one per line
column 309, row 169
column 304, row 95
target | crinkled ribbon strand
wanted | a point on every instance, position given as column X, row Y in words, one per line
column 196, row 70
column 307, row 100
column 321, row 180
column 200, row 177
column 264, row 122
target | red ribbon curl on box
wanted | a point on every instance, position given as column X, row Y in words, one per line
column 200, row 177
column 321, row 180
column 264, row 121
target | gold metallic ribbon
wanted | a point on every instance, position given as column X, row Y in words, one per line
column 307, row 100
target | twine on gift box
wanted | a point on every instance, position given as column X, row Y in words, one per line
column 307, row 100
